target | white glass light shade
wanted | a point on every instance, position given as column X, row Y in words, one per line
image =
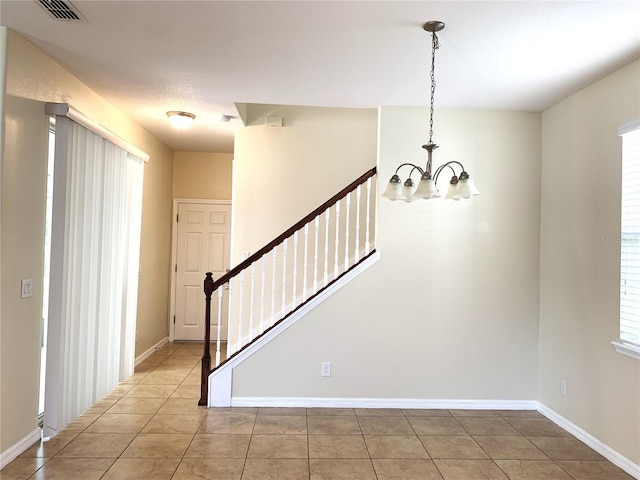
column 407, row 190
column 426, row 189
column 181, row 120
column 394, row 189
column 451, row 192
column 466, row 188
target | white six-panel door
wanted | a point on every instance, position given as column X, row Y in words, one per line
column 203, row 242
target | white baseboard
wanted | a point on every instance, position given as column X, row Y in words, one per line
column 310, row 402
column 12, row 452
column 143, row 356
column 607, row 452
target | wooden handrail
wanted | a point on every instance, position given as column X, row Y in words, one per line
column 296, row 226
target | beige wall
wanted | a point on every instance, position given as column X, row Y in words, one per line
column 201, row 175
column 32, row 79
column 451, row 309
column 282, row 173
column 579, row 263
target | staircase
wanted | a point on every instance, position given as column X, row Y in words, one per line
column 281, row 282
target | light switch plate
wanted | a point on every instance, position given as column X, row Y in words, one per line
column 26, row 288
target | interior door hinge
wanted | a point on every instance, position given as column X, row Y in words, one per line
column 174, row 319
column 177, row 218
column 176, row 268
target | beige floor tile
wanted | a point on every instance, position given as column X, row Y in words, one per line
column 186, row 360
column 50, row 447
column 594, row 470
column 385, row 425
column 276, row 469
column 278, row 446
column 565, row 448
column 182, row 406
column 142, row 468
column 164, row 377
column 395, row 446
column 119, row 423
column 280, row 425
column 187, row 391
column 330, row 411
column 470, row 470
column 453, row 447
column 426, row 412
column 152, row 391
column 157, row 357
column 192, row 379
column 436, row 426
column 510, row 448
column 22, row 468
column 341, row 469
column 473, row 413
column 143, row 368
column 333, row 425
column 337, row 446
column 486, row 426
column 157, row 445
column 218, row 446
column 173, row 424
column 209, row 469
column 74, row 469
column 137, row 405
column 237, row 423
column 102, row 406
column 231, row 410
column 537, row 427
column 121, row 390
column 94, row 445
column 282, row 411
column 379, row 412
column 82, row 422
column 532, row 469
column 403, row 469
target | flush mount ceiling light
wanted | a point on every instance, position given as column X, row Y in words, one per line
column 460, row 186
column 181, row 120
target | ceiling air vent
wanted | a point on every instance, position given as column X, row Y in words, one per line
column 60, row 9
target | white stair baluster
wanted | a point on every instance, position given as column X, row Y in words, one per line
column 263, row 269
column 240, row 300
column 315, row 255
column 253, row 277
column 229, row 321
column 284, row 276
column 294, row 300
column 274, row 254
column 346, row 233
column 358, row 195
column 219, row 332
column 304, row 269
column 368, row 223
column 336, row 268
column 327, row 215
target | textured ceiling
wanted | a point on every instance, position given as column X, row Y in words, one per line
column 148, row 57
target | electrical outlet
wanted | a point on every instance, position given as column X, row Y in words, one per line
column 563, row 387
column 325, row 369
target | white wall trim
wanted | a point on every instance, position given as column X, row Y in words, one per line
column 418, row 403
column 220, row 380
column 627, row 349
column 174, row 253
column 143, row 356
column 11, row 453
column 606, row 451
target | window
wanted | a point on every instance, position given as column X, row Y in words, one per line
column 630, row 241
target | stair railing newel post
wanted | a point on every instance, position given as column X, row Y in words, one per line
column 206, row 355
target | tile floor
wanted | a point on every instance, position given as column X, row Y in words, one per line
column 150, row 428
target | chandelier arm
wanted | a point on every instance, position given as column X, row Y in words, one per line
column 414, row 167
column 440, row 168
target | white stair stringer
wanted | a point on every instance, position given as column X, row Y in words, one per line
column 220, row 380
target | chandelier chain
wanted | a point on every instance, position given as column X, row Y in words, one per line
column 434, row 46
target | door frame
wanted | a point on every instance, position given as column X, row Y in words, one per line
column 174, row 251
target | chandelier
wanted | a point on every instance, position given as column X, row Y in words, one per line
column 460, row 185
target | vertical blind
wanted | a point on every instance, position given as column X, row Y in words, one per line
column 630, row 235
column 97, row 203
